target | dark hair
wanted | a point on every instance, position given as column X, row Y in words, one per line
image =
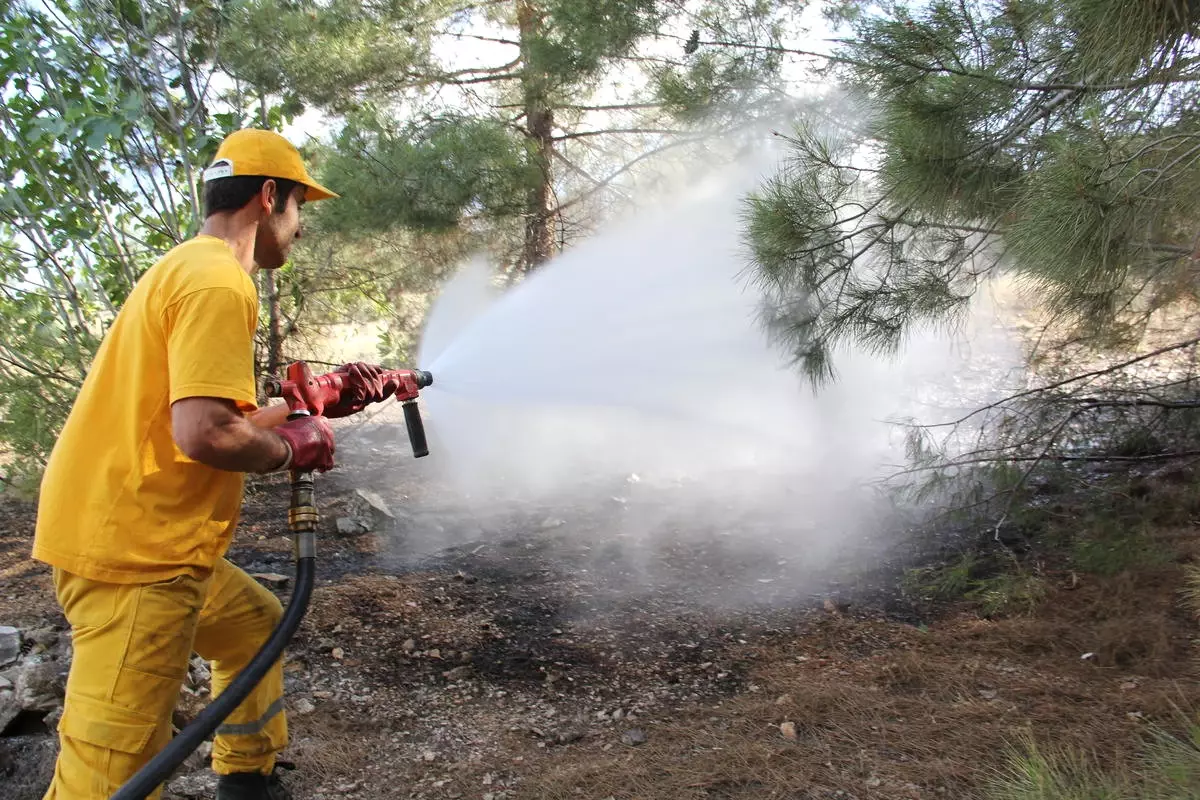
column 232, row 194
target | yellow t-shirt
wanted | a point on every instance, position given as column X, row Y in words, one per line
column 120, row 502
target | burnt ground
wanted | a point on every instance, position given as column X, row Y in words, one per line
column 558, row 650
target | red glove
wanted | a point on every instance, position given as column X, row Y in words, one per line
column 363, row 385
column 311, row 440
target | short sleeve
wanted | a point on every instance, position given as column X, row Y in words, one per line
column 210, row 346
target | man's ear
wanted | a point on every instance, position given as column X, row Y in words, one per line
column 268, row 196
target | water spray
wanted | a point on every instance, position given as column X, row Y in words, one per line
column 305, row 395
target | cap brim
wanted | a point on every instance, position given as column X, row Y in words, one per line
column 318, row 192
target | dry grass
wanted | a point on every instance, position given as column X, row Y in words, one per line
column 329, row 757
column 887, row 711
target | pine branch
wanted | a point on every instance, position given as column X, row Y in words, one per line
column 1143, row 82
column 1068, row 381
column 482, row 79
column 479, row 38
column 838, row 59
column 616, row 107
column 1062, row 459
column 628, row 166
column 639, row 131
column 1090, row 403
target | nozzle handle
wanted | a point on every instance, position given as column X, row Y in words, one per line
column 416, row 428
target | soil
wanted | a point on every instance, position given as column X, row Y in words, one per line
column 531, row 652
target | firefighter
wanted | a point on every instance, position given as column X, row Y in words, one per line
column 143, row 489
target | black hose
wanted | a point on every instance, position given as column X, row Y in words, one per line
column 159, row 768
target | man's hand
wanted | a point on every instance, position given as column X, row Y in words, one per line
column 310, row 440
column 363, row 386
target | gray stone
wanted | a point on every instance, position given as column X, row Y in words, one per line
column 46, row 637
column 352, row 526
column 375, row 502
column 198, row 672
column 40, row 687
column 51, row 720
column 199, row 759
column 9, row 708
column 198, row 785
column 10, row 645
column 633, row 737
column 569, row 735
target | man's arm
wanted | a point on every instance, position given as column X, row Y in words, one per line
column 212, row 431
column 270, row 416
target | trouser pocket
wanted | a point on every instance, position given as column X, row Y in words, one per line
column 106, row 725
column 102, row 745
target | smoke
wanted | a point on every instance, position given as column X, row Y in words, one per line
column 627, row 393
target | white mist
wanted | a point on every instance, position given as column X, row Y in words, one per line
column 632, row 371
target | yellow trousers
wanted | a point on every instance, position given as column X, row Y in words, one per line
column 132, row 643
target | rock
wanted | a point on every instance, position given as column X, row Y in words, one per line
column 835, row 607
column 633, row 737
column 458, row 673
column 988, row 694
column 352, row 526
column 305, row 706
column 199, row 758
column 409, row 645
column 198, row 785
column 40, row 687
column 9, row 708
column 51, row 719
column 272, row 580
column 10, row 645
column 5, row 683
column 46, row 637
column 783, row 699
column 47, row 640
column 338, row 653
column 375, row 503
column 788, row 729
column 198, row 671
column 568, row 736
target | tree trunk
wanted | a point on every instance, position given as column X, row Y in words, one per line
column 540, row 214
column 270, row 291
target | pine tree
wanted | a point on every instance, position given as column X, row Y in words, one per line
column 1058, row 140
column 519, row 143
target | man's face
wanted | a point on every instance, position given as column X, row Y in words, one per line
column 278, row 231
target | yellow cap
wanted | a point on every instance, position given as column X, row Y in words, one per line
column 263, row 153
